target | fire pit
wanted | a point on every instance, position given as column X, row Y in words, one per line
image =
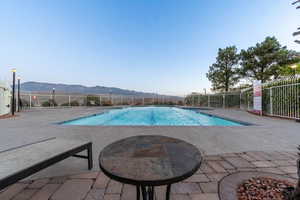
column 255, row 186
column 263, row 188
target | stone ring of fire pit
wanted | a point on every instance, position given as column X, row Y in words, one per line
column 229, row 184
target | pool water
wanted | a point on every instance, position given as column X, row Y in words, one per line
column 152, row 116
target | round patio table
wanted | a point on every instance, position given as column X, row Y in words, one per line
column 149, row 161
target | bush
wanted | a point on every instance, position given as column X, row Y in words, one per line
column 106, row 103
column 72, row 103
column 180, row 103
column 25, row 103
column 92, row 101
column 49, row 103
column 65, row 104
column 170, row 103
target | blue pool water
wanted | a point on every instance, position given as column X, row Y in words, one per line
column 152, row 116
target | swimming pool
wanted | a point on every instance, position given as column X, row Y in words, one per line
column 152, row 116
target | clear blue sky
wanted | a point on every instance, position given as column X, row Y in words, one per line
column 163, row 46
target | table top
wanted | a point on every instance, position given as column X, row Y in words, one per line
column 150, row 160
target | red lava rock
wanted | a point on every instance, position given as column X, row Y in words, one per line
column 262, row 188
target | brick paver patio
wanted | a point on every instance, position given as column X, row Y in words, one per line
column 202, row 186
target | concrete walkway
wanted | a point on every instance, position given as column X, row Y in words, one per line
column 201, row 186
column 268, row 134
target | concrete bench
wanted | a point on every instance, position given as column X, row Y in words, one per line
column 22, row 161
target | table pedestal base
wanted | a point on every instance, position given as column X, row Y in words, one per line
column 148, row 192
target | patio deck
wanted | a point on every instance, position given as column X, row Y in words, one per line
column 201, row 186
column 268, row 134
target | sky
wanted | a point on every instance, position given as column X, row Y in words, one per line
column 162, row 46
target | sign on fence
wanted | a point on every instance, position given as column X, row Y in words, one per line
column 257, row 97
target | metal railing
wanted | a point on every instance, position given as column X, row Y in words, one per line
column 30, row 100
column 281, row 98
column 222, row 100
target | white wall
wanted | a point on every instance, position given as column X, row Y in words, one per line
column 5, row 98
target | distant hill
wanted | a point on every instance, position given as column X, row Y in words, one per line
column 41, row 87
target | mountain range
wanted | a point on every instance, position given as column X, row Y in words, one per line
column 41, row 87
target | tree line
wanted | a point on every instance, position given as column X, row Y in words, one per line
column 267, row 60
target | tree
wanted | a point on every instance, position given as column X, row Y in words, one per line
column 288, row 70
column 224, row 72
column 297, row 32
column 263, row 61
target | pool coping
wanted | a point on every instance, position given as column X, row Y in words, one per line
column 196, row 109
column 227, row 118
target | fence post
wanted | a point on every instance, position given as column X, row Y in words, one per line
column 223, row 100
column 30, row 101
column 248, row 101
column 241, row 100
column 193, row 100
column 271, row 101
column 143, row 101
column 99, row 100
column 69, row 101
column 208, row 98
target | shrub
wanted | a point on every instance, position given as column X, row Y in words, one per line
column 106, row 103
column 180, row 103
column 171, row 103
column 49, row 103
column 65, row 104
column 25, row 103
column 72, row 103
column 92, row 101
